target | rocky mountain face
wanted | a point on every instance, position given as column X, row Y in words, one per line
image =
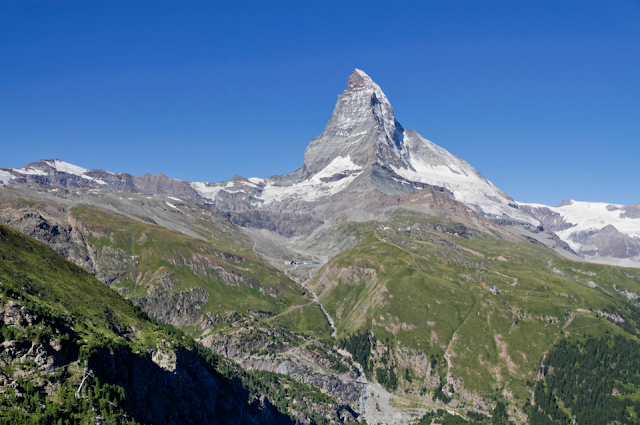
column 363, row 155
column 165, row 254
column 606, row 242
column 630, row 211
column 362, row 129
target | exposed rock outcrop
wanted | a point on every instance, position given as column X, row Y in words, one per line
column 551, row 220
column 606, row 242
column 60, row 236
column 631, row 211
column 178, row 308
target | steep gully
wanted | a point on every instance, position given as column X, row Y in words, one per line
column 377, row 405
column 304, row 284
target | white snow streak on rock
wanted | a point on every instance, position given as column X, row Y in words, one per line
column 30, row 170
column 205, row 191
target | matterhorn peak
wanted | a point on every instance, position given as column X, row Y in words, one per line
column 363, row 149
column 362, row 128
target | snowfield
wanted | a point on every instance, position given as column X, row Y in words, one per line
column 65, row 167
column 592, row 215
column 62, row 167
column 457, row 175
column 313, row 188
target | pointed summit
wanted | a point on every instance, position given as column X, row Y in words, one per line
column 364, row 150
column 360, row 83
column 364, row 137
column 359, row 80
column 362, row 128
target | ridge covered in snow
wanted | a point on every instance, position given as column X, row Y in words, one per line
column 582, row 216
column 66, row 167
column 597, row 231
column 48, row 167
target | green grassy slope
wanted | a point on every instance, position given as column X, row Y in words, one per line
column 425, row 297
column 191, row 282
column 250, row 283
column 57, row 317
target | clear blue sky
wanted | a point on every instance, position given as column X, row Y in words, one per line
column 542, row 97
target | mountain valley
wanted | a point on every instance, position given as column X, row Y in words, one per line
column 386, row 280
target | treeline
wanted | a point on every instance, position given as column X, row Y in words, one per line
column 26, row 400
column 582, row 378
column 630, row 315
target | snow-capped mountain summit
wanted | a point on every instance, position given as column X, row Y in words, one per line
column 364, row 148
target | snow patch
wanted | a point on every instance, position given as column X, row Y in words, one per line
column 5, row 177
column 338, row 165
column 206, row 191
column 313, row 188
column 62, row 167
column 66, row 167
column 457, row 175
column 308, row 190
column 249, row 184
column 171, row 205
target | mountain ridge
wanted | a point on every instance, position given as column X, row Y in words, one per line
column 363, row 150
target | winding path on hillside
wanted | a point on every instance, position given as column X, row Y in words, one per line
column 413, row 258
